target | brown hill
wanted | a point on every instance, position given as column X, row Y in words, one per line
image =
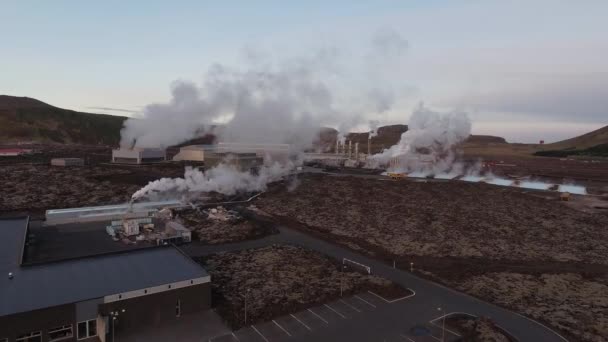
column 485, row 139
column 23, row 119
column 591, row 139
column 14, row 102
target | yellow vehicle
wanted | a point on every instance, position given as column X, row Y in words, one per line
column 397, row 175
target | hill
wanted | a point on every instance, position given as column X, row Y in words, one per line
column 31, row 120
column 585, row 141
column 593, row 144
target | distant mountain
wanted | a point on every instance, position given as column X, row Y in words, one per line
column 591, row 139
column 23, row 119
column 485, row 139
column 594, row 143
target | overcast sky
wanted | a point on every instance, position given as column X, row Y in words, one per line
column 524, row 70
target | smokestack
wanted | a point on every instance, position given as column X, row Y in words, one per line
column 357, row 151
column 350, row 149
column 337, row 146
column 369, row 147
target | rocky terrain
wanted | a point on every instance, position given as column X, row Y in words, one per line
column 37, row 187
column 514, row 248
column 218, row 225
column 443, row 219
column 476, row 329
column 568, row 301
column 281, row 279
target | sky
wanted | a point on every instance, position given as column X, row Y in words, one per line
column 524, row 70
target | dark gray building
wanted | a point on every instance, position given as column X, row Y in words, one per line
column 89, row 298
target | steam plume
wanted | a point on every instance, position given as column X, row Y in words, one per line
column 275, row 102
column 428, row 144
column 224, row 179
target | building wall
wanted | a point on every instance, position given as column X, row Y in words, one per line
column 125, row 160
column 38, row 320
column 241, row 161
column 138, row 155
column 140, row 312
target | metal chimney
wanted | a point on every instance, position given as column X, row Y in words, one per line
column 350, row 149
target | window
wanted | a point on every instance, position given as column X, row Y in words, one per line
column 61, row 333
column 178, row 308
column 87, row 329
column 31, row 337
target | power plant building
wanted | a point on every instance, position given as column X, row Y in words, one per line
column 242, row 161
column 274, row 152
column 107, row 212
column 194, row 153
column 138, row 155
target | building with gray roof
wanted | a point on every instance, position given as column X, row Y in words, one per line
column 84, row 298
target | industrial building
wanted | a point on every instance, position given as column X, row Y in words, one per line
column 13, row 152
column 93, row 296
column 274, row 152
column 242, row 161
column 107, row 212
column 138, row 155
column 67, row 162
column 195, row 153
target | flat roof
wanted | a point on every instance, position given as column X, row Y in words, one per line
column 70, row 281
column 73, row 240
column 118, row 207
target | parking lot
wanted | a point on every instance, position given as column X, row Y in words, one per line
column 337, row 318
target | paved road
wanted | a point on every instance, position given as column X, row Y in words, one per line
column 421, row 308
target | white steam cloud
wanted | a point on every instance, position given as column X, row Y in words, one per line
column 428, row 144
column 286, row 102
column 276, row 102
column 224, row 179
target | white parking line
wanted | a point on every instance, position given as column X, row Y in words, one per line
column 350, row 306
column 332, row 309
column 394, row 300
column 407, row 338
column 437, row 338
column 446, row 329
column 278, row 325
column 296, row 318
column 236, row 338
column 446, row 315
column 321, row 318
column 364, row 301
column 259, row 333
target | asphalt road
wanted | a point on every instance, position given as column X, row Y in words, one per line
column 421, row 308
